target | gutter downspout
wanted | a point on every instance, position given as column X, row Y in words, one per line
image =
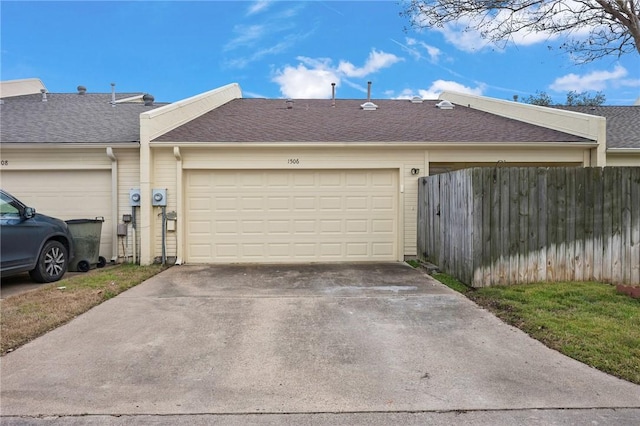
column 180, row 223
column 114, row 204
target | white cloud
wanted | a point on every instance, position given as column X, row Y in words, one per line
column 306, row 83
column 595, row 80
column 460, row 34
column 247, row 36
column 312, row 77
column 375, row 62
column 439, row 86
column 258, row 6
column 412, row 47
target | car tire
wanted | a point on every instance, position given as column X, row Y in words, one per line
column 52, row 263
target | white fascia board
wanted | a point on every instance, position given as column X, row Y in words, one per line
column 623, row 150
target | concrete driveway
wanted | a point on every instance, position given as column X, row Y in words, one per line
column 305, row 340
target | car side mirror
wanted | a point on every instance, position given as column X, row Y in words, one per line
column 29, row 212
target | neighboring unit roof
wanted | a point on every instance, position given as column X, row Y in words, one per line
column 623, row 123
column 315, row 120
column 71, row 118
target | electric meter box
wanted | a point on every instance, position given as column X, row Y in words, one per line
column 159, row 197
column 134, row 197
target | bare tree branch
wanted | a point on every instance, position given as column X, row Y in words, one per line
column 589, row 29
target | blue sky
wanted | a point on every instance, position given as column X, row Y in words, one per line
column 283, row 49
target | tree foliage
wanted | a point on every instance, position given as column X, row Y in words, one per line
column 589, row 29
column 573, row 99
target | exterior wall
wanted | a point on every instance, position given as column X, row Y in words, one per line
column 584, row 125
column 128, row 178
column 33, row 158
column 403, row 160
column 155, row 123
column 165, row 177
column 166, row 172
column 630, row 159
column 542, row 154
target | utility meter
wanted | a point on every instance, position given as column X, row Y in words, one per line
column 134, row 197
column 159, row 197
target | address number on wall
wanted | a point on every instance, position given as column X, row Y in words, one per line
column 4, row 162
column 293, row 161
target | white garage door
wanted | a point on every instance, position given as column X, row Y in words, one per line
column 65, row 194
column 291, row 216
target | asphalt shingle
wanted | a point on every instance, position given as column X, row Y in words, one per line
column 315, row 120
column 623, row 123
column 70, row 118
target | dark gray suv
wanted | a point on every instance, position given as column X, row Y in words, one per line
column 36, row 243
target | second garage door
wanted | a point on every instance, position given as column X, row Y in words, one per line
column 66, row 194
column 291, row 216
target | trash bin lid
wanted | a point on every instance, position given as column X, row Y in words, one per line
column 75, row 221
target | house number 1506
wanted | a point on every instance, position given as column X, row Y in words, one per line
column 293, row 161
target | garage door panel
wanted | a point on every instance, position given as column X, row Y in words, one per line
column 66, row 194
column 269, row 215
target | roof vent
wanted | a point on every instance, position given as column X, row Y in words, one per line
column 369, row 106
column 416, row 100
column 113, row 95
column 44, row 95
column 82, row 90
column 333, row 95
column 148, row 99
column 444, row 105
column 289, row 103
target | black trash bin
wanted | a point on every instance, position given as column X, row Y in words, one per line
column 86, row 240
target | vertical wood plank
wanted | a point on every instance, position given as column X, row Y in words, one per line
column 626, row 260
column 485, row 181
column 476, row 218
column 514, row 224
column 635, row 225
column 561, row 226
column 541, row 206
column 498, row 235
column 570, row 224
column 607, row 215
column 505, row 227
column 523, row 229
column 616, row 223
column 579, row 225
column 552, row 215
column 531, row 242
column 588, row 225
column 597, row 201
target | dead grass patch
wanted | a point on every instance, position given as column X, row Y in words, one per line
column 29, row 315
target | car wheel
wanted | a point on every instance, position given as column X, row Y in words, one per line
column 52, row 263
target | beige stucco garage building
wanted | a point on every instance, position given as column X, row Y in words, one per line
column 72, row 155
column 268, row 180
column 274, row 180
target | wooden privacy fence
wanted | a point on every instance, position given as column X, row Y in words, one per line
column 499, row 226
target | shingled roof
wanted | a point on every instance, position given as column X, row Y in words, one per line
column 623, row 123
column 315, row 120
column 71, row 118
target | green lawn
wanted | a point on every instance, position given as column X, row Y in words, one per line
column 590, row 322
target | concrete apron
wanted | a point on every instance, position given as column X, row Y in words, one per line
column 294, row 339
